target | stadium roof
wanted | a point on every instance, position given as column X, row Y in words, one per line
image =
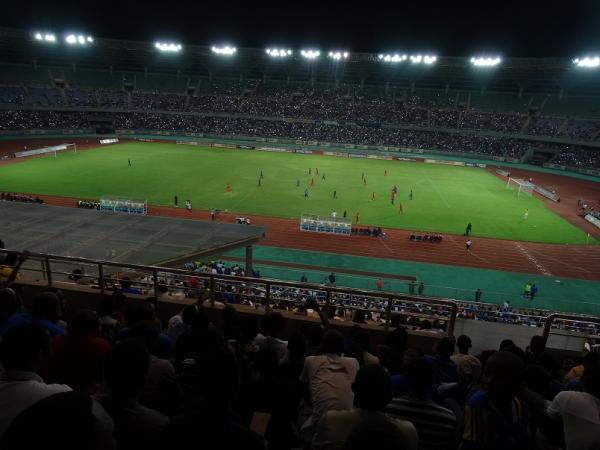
column 136, row 239
column 532, row 75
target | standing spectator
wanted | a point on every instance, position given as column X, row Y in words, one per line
column 136, row 427
column 463, row 343
column 392, row 353
column 436, row 425
column 328, row 378
column 445, row 371
column 78, row 357
column 108, row 324
column 421, row 288
column 273, row 327
column 494, row 417
column 379, row 284
column 372, row 392
column 411, row 287
column 478, row 295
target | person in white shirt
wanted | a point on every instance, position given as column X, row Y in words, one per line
column 329, row 378
column 580, row 412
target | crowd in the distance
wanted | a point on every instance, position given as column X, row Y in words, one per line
column 118, row 377
column 14, row 197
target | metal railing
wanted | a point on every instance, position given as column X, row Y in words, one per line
column 386, row 309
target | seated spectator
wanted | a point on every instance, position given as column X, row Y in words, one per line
column 273, row 397
column 8, row 304
column 372, row 392
column 108, row 324
column 62, row 421
column 315, row 340
column 377, row 433
column 328, row 378
column 212, row 424
column 578, row 411
column 181, row 323
column 495, row 418
column 78, row 357
column 160, row 391
column 24, row 353
column 137, row 311
column 463, row 343
column 136, row 427
column 436, row 425
column 127, row 288
column 44, row 312
column 273, row 327
column 392, row 353
column 445, row 371
column 573, row 377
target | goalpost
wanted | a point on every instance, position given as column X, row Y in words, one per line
column 54, row 150
column 521, row 186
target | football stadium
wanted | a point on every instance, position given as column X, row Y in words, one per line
column 296, row 237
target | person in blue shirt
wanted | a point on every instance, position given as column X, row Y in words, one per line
column 44, row 312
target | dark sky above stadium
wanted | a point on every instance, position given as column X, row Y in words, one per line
column 450, row 28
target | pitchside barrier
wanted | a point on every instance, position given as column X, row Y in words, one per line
column 41, row 151
column 330, row 224
column 124, row 205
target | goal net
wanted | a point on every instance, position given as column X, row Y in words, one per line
column 520, row 186
column 53, row 150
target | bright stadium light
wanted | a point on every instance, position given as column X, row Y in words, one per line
column 587, row 62
column 310, row 54
column 279, row 52
column 395, row 58
column 338, row 55
column 44, row 37
column 168, row 47
column 429, row 59
column 78, row 39
column 423, row 59
column 227, row 50
column 481, row 61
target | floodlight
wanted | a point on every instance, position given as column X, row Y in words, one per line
column 45, row 37
column 587, row 62
column 71, row 39
column 90, row 39
column 428, row 59
column 80, row 39
column 485, row 61
column 169, row 47
column 338, row 55
column 395, row 58
column 228, row 51
column 416, row 59
column 310, row 54
column 279, row 52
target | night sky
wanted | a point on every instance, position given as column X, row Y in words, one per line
column 450, row 28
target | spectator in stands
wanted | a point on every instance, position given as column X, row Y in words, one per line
column 273, row 327
column 363, row 340
column 436, row 425
column 181, row 323
column 578, row 411
column 78, row 357
column 271, row 396
column 537, row 345
column 136, row 427
column 127, row 288
column 212, row 425
column 494, row 417
column 445, row 371
column 24, row 353
column 139, row 311
column 44, row 312
column 392, row 353
column 328, row 379
column 315, row 340
column 9, row 304
column 463, row 343
column 160, row 391
column 108, row 324
column 372, row 392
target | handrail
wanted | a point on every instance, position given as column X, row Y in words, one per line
column 156, row 272
column 572, row 317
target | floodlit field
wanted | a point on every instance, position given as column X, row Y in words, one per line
column 445, row 199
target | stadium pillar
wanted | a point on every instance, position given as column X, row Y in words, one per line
column 249, row 261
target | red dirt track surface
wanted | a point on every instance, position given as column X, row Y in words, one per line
column 574, row 261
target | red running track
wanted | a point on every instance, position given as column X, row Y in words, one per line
column 574, row 261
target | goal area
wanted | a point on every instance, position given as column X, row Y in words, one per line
column 53, row 150
column 521, row 187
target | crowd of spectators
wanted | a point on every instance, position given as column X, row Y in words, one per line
column 14, row 197
column 577, row 157
column 119, row 377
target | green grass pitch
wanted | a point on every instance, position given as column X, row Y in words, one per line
column 446, row 198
